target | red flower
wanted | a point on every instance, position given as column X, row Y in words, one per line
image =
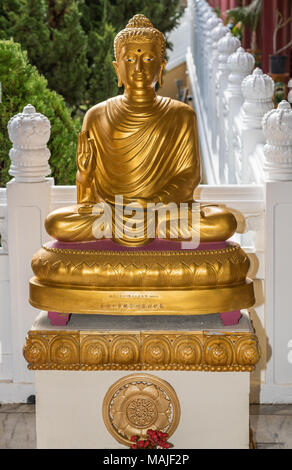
column 155, row 439
column 165, row 445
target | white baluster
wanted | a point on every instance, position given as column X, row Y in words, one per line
column 206, row 54
column 212, row 23
column 219, row 32
column 277, row 127
column 29, row 132
column 240, row 64
column 192, row 20
column 197, row 56
column 257, row 90
column 28, row 197
column 203, row 9
column 226, row 46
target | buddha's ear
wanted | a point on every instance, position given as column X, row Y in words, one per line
column 162, row 67
column 116, row 67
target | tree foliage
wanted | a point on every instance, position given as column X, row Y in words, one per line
column 22, row 84
column 102, row 83
column 51, row 33
column 71, row 41
column 164, row 14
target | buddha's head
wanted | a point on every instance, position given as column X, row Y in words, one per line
column 139, row 52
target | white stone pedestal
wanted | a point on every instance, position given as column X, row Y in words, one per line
column 214, row 409
column 202, row 364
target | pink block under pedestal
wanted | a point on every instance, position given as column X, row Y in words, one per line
column 230, row 318
column 227, row 318
column 59, row 319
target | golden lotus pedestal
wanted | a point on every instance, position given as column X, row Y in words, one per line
column 103, row 378
column 104, row 278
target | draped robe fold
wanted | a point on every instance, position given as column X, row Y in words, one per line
column 145, row 154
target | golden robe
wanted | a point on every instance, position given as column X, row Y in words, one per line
column 145, row 153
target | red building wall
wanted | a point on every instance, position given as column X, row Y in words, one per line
column 223, row 4
column 266, row 27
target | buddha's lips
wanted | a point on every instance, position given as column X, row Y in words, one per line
column 156, row 245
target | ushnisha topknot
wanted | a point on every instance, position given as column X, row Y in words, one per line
column 139, row 28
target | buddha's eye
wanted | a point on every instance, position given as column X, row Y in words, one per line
column 148, row 59
column 129, row 59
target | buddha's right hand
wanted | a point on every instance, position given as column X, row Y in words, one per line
column 86, row 158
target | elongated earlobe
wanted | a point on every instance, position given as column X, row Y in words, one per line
column 160, row 77
column 120, row 83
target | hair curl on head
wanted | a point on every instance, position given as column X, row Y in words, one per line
column 139, row 28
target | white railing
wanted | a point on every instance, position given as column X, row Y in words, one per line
column 247, row 164
column 246, row 146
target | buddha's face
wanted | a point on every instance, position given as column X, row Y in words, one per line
column 139, row 65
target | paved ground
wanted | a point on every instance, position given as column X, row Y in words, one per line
column 271, row 426
column 17, row 426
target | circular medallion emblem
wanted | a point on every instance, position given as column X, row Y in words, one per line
column 141, row 412
column 139, row 402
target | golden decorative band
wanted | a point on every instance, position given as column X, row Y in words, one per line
column 146, row 350
column 116, row 254
column 80, row 300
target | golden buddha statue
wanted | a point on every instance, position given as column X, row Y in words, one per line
column 143, row 148
column 139, row 145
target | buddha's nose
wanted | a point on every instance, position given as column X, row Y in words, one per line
column 139, row 65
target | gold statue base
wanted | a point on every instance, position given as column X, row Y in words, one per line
column 124, row 282
column 129, row 365
column 115, row 343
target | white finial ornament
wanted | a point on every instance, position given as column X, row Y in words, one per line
column 29, row 133
column 240, row 64
column 277, row 127
column 258, row 86
column 257, row 90
column 228, row 44
column 219, row 32
column 213, row 22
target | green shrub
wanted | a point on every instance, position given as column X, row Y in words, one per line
column 22, row 84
